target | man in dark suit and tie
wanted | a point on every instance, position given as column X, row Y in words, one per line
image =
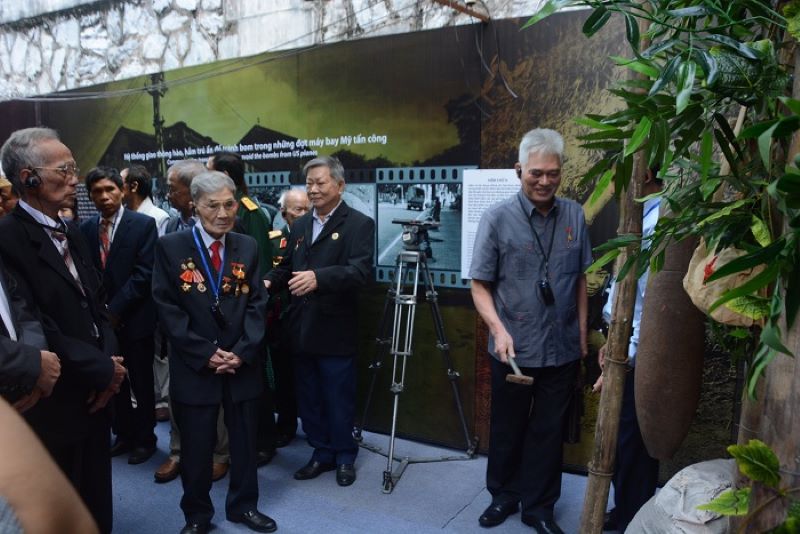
column 328, row 259
column 52, row 264
column 212, row 305
column 122, row 243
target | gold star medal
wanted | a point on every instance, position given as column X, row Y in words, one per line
column 238, row 270
column 186, row 287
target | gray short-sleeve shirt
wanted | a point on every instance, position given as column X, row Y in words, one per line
column 507, row 255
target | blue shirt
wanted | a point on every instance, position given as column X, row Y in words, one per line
column 648, row 227
column 507, row 255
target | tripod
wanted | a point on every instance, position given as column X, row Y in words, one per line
column 399, row 308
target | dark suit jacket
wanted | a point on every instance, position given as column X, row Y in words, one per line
column 20, row 360
column 324, row 321
column 68, row 317
column 129, row 271
column 193, row 332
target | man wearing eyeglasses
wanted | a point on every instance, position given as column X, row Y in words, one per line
column 211, row 304
column 528, row 286
column 52, row 261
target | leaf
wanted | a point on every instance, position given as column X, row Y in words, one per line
column 632, row 31
column 771, row 337
column 638, row 137
column 792, row 104
column 742, row 263
column 658, row 48
column 596, row 21
column 729, row 502
column 594, row 123
column 603, row 260
column 763, row 357
column 765, row 146
column 733, row 44
column 708, row 187
column 709, row 65
column 757, row 462
column 685, row 85
column 739, row 333
column 751, row 306
column 762, row 279
column 667, row 75
column 756, row 130
column 694, row 11
column 760, row 232
column 548, row 9
column 792, row 298
column 638, row 66
column 706, row 148
column 724, row 212
column 602, row 185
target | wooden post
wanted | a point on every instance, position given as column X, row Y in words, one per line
column 601, row 466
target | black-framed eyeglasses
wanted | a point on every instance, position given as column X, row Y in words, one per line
column 70, row 169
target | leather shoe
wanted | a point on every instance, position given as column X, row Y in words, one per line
column 218, row 471
column 195, row 528
column 345, row 474
column 283, row 440
column 543, row 526
column 162, row 414
column 168, row 470
column 255, row 520
column 119, row 448
column 312, row 469
column 140, row 455
column 496, row 513
column 264, row 457
column 610, row 520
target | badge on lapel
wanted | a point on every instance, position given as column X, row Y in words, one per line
column 335, row 236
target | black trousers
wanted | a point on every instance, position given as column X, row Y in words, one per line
column 285, row 396
column 198, row 428
column 87, row 465
column 135, row 426
column 526, row 437
column 635, row 473
column 267, row 433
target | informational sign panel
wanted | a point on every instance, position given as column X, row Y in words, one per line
column 482, row 188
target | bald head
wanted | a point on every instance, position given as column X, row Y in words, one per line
column 294, row 204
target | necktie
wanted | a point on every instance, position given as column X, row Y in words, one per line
column 64, row 250
column 216, row 259
column 105, row 241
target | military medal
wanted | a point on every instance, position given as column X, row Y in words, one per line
column 569, row 233
column 282, row 243
column 186, row 287
column 226, row 285
column 201, row 287
column 245, row 288
column 238, row 270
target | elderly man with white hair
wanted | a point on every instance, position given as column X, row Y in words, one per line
column 211, row 303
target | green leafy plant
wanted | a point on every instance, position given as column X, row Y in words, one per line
column 698, row 65
column 759, row 463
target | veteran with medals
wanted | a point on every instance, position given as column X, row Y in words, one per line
column 206, row 286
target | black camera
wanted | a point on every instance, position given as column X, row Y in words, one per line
column 415, row 234
column 547, row 292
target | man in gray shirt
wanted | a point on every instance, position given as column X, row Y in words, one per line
column 528, row 286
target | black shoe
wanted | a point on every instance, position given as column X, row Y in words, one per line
column 543, row 526
column 610, row 520
column 312, row 469
column 255, row 520
column 119, row 448
column 495, row 514
column 195, row 528
column 345, row 474
column 264, row 457
column 283, row 440
column 139, row 455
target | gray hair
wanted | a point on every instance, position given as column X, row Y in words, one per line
column 288, row 193
column 185, row 170
column 333, row 164
column 210, row 182
column 541, row 141
column 21, row 151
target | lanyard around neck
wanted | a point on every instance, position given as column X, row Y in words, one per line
column 215, row 285
column 545, row 255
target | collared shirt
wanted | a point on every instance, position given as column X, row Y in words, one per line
column 148, row 208
column 651, row 208
column 208, row 240
column 319, row 222
column 5, row 311
column 507, row 255
column 47, row 223
column 112, row 231
column 187, row 224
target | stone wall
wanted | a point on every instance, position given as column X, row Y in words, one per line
column 55, row 45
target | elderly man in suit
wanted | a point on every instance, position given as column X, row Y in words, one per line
column 328, row 259
column 211, row 303
column 52, row 263
column 122, row 244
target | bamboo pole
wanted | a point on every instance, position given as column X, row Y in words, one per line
column 601, row 466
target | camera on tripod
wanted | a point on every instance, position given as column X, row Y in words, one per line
column 415, row 234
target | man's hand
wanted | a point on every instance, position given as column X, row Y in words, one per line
column 29, row 401
column 231, row 362
column 100, row 400
column 119, row 375
column 584, row 344
column 50, row 371
column 302, row 283
column 503, row 345
column 601, row 360
column 267, row 284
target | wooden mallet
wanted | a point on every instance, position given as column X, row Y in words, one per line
column 517, row 377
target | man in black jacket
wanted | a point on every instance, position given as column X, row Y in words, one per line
column 328, row 259
column 52, row 262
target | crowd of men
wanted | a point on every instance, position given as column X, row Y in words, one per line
column 216, row 321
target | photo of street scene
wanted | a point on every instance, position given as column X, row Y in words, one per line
column 439, row 204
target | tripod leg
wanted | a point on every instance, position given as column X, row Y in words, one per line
column 444, row 347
